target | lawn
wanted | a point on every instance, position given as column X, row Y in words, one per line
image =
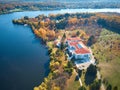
column 72, row 84
column 106, row 50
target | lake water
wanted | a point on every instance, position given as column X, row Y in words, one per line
column 23, row 59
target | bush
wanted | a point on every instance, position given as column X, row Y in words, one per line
column 90, row 74
column 82, row 88
column 109, row 87
column 95, row 86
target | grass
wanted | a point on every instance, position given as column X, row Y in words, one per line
column 72, row 84
column 73, row 33
column 106, row 50
column 111, row 72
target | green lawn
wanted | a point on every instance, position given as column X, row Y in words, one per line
column 107, row 52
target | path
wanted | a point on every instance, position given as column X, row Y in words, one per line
column 99, row 77
column 78, row 77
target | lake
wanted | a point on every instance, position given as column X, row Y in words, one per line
column 24, row 61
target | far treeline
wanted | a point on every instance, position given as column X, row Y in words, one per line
column 16, row 5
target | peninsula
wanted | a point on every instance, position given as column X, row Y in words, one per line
column 70, row 39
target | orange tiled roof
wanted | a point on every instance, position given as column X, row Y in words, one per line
column 80, row 48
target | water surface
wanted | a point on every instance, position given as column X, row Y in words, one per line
column 23, row 59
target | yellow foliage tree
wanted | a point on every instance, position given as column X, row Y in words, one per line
column 36, row 88
column 56, row 88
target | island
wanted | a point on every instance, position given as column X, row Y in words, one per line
column 82, row 49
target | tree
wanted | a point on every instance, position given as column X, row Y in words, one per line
column 42, row 24
column 69, row 68
column 54, row 65
column 26, row 17
column 62, row 46
column 49, row 50
column 95, row 86
column 72, row 20
column 36, row 88
column 91, row 40
column 64, row 35
column 56, row 88
column 115, row 88
column 42, row 33
column 50, row 33
column 109, row 87
column 82, row 88
column 61, row 24
column 79, row 72
column 90, row 74
column 78, row 33
column 69, row 65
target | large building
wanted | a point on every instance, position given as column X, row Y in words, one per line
column 77, row 50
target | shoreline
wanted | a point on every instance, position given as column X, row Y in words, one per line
column 68, row 9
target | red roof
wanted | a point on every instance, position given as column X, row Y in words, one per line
column 74, row 39
column 79, row 50
column 73, row 43
column 82, row 51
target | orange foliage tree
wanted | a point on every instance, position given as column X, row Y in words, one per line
column 72, row 20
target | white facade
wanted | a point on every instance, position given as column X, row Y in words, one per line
column 79, row 46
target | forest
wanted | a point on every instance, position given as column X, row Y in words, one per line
column 26, row 5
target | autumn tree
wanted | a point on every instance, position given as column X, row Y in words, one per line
column 42, row 33
column 90, row 74
column 72, row 20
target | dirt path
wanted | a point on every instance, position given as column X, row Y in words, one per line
column 99, row 77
